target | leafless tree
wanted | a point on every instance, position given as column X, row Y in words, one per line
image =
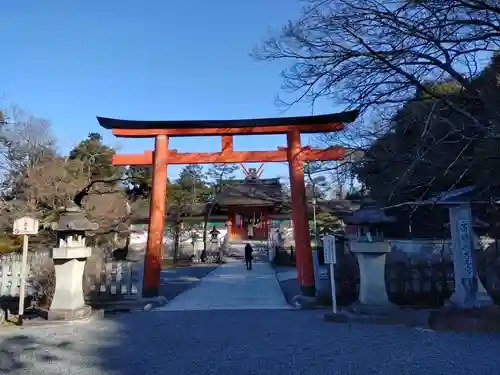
column 376, row 56
column 380, row 52
column 24, row 140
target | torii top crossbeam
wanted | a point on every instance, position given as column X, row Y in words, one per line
column 280, row 125
column 226, row 129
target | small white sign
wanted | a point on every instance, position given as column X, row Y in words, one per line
column 25, row 226
column 329, row 249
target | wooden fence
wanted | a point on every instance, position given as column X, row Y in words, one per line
column 112, row 279
column 117, row 280
column 10, row 273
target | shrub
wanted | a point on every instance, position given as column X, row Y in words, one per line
column 10, row 243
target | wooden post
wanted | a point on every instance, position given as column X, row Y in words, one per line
column 227, row 143
column 24, row 266
column 157, row 210
column 300, row 218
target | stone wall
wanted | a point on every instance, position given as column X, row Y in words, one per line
column 423, row 246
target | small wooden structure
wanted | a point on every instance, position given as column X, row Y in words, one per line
column 294, row 154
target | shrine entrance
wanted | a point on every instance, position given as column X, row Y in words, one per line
column 294, row 154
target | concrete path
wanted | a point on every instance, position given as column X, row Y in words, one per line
column 233, row 287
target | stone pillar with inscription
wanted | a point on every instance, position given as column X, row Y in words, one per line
column 465, row 294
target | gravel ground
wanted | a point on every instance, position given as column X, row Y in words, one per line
column 177, row 280
column 242, row 342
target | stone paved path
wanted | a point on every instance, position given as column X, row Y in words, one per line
column 232, row 287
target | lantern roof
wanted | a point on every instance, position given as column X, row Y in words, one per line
column 72, row 219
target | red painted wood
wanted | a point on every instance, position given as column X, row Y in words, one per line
column 304, row 263
column 226, row 144
column 280, row 129
column 154, row 249
column 294, row 154
column 174, row 157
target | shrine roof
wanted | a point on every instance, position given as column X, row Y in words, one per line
column 250, row 182
column 251, row 193
column 341, row 117
column 339, row 208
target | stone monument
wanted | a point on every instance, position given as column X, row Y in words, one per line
column 469, row 292
column 69, row 262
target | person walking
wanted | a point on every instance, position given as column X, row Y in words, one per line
column 248, row 256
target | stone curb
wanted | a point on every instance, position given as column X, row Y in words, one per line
column 338, row 317
column 94, row 316
column 145, row 304
column 403, row 320
column 155, row 303
column 381, row 315
column 301, row 302
column 438, row 320
column 452, row 319
column 141, row 304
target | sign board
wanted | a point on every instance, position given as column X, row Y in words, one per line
column 329, row 249
column 25, row 226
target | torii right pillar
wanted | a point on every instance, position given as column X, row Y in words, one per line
column 300, row 217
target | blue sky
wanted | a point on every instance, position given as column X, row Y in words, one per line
column 69, row 61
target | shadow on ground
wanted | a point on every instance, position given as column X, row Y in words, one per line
column 175, row 281
column 19, row 351
column 253, row 342
column 241, row 342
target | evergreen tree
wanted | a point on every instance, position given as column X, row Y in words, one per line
column 192, row 176
column 220, row 172
column 139, row 182
column 96, row 156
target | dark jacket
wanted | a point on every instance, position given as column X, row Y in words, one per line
column 248, row 251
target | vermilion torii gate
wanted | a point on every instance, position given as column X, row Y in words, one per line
column 294, row 154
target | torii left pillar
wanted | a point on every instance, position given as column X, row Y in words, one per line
column 157, row 209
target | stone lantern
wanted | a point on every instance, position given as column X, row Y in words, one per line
column 69, row 261
column 367, row 243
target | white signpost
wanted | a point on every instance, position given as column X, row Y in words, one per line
column 331, row 259
column 24, row 226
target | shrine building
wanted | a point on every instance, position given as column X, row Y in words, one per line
column 248, row 207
